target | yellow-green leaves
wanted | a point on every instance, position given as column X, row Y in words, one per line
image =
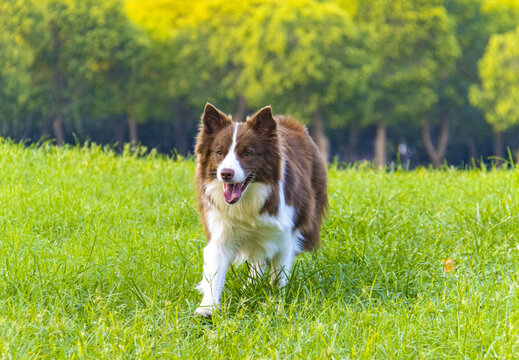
column 498, row 94
column 15, row 59
column 298, row 55
column 415, row 44
column 503, row 13
column 302, row 55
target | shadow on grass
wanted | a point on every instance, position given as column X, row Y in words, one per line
column 314, row 282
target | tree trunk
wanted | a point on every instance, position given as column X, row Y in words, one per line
column 317, row 133
column 498, row 144
column 353, row 137
column 436, row 154
column 239, row 115
column 380, row 145
column 57, row 127
column 132, row 127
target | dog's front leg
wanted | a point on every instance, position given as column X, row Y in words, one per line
column 216, row 262
column 281, row 266
column 283, row 260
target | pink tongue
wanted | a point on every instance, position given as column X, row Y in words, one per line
column 232, row 192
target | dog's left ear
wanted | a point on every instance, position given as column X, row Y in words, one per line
column 263, row 122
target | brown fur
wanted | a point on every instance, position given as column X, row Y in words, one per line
column 207, row 160
column 305, row 180
column 267, row 138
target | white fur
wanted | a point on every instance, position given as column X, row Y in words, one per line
column 239, row 233
column 231, row 161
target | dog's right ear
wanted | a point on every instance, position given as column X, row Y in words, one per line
column 213, row 120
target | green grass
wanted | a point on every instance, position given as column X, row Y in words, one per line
column 100, row 254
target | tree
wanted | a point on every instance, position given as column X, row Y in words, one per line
column 15, row 59
column 453, row 108
column 191, row 38
column 128, row 71
column 500, row 16
column 499, row 74
column 304, row 57
column 54, row 74
column 415, row 44
column 475, row 21
column 84, row 52
column 503, row 15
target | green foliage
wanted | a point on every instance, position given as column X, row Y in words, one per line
column 194, row 37
column 77, row 60
column 504, row 14
column 471, row 26
column 472, row 34
column 15, row 59
column 475, row 22
column 91, row 64
column 303, row 56
column 100, row 255
column 499, row 73
column 415, row 45
column 123, row 71
column 297, row 55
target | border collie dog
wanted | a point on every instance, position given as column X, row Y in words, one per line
column 262, row 196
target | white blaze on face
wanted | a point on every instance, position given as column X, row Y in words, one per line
column 231, row 161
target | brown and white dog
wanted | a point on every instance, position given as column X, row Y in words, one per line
column 262, row 192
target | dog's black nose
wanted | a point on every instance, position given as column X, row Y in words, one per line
column 227, row 174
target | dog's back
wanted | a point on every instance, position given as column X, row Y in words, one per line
column 305, row 180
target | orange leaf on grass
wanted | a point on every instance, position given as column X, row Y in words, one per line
column 448, row 265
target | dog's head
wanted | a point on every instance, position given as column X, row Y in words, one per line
column 237, row 153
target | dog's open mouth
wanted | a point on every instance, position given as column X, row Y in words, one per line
column 232, row 192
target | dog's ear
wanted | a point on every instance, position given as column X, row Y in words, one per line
column 213, row 120
column 263, row 122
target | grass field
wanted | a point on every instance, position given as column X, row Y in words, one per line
column 100, row 254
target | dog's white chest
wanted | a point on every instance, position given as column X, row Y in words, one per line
column 249, row 235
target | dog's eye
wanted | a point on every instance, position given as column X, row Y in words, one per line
column 247, row 154
column 219, row 152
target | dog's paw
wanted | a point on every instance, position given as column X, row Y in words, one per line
column 204, row 311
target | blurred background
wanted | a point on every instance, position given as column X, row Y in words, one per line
column 417, row 81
